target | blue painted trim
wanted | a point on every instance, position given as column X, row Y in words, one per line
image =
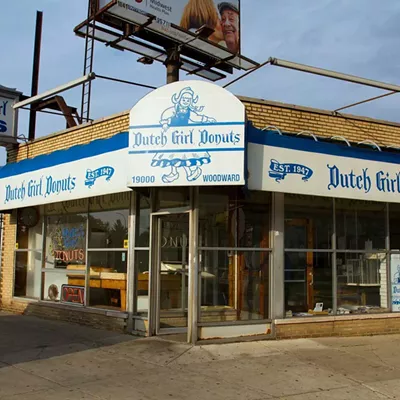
column 189, row 125
column 199, row 150
column 271, row 138
column 59, row 157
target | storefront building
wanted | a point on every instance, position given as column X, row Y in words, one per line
column 220, row 217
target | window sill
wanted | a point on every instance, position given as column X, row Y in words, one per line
column 41, row 303
column 334, row 318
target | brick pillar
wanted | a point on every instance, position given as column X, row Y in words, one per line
column 7, row 261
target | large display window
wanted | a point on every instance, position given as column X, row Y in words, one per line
column 85, row 250
column 234, row 255
column 335, row 256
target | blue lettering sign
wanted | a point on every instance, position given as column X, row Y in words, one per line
column 14, row 193
column 279, row 171
column 156, row 140
column 349, row 180
column 3, row 126
column 92, row 176
column 71, row 236
column 56, row 186
column 385, row 183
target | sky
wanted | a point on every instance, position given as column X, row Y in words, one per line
column 359, row 37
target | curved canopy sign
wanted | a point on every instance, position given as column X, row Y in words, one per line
column 187, row 133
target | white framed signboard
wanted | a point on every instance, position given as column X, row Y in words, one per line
column 187, row 133
column 8, row 116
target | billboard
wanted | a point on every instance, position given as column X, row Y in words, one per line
column 190, row 15
column 179, row 20
column 187, row 133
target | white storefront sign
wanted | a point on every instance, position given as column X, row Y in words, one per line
column 7, row 114
column 86, row 177
column 395, row 281
column 279, row 169
column 188, row 133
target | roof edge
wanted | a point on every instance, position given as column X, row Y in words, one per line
column 69, row 130
column 317, row 111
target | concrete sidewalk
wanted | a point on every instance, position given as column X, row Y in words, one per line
column 41, row 360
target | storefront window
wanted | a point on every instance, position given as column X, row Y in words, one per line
column 65, row 249
column 170, row 198
column 143, row 211
column 308, row 222
column 360, row 225
column 362, row 282
column 253, row 219
column 107, row 280
column 361, row 276
column 308, row 274
column 253, row 285
column 143, row 270
column 234, row 283
column 217, row 283
column 308, row 283
column 28, row 253
column 394, row 224
column 108, row 228
column 71, row 253
column 217, row 220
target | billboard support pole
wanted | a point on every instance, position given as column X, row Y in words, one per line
column 35, row 73
column 173, row 64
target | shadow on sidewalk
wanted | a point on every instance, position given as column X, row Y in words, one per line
column 26, row 338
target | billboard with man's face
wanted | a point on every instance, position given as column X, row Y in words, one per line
column 188, row 15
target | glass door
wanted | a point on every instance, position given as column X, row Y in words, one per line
column 172, row 271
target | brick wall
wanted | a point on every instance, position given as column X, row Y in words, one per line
column 262, row 113
column 338, row 326
column 7, row 259
column 99, row 129
column 292, row 118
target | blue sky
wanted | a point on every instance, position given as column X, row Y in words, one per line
column 359, row 37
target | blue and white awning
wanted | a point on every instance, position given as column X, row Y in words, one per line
column 93, row 169
column 289, row 164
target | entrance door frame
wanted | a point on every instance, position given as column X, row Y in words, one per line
column 154, row 275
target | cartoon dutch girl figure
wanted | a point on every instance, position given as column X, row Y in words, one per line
column 183, row 113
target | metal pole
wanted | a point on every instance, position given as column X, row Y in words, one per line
column 333, row 74
column 35, row 72
column 247, row 73
column 365, row 101
column 53, row 92
column 173, row 65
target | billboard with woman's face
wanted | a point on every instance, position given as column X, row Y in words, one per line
column 222, row 16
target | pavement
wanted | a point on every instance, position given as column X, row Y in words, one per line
column 43, row 360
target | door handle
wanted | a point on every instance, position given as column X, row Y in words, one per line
column 312, row 278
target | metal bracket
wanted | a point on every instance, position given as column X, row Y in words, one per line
column 273, row 128
column 308, row 133
column 341, row 138
column 371, row 143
